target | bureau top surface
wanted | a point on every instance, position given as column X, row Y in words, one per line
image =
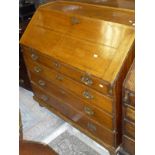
column 120, row 15
column 91, row 38
column 129, row 4
column 130, row 79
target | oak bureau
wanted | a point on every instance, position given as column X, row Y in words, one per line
column 129, row 112
column 77, row 56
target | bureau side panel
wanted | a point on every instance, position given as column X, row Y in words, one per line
column 118, row 92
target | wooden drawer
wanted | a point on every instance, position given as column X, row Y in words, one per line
column 129, row 145
column 79, row 118
column 132, row 99
column 129, row 98
column 129, row 128
column 94, row 113
column 129, row 113
column 67, row 70
column 84, row 92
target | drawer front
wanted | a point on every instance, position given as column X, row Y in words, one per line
column 81, row 27
column 67, row 70
column 129, row 145
column 129, row 113
column 84, row 92
column 92, row 112
column 132, row 99
column 96, row 130
column 129, row 98
column 129, row 129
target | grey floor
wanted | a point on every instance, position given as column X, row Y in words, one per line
column 41, row 125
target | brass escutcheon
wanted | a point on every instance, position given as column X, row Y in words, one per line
column 59, row 77
column 91, row 126
column 41, row 83
column 86, row 80
column 44, row 98
column 56, row 64
column 87, row 95
column 37, row 69
column 88, row 111
column 34, row 56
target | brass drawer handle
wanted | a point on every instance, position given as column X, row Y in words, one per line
column 88, row 111
column 44, row 97
column 87, row 95
column 126, row 97
column 86, row 80
column 37, row 69
column 91, row 126
column 56, row 64
column 74, row 20
column 41, row 83
column 34, row 56
column 59, row 77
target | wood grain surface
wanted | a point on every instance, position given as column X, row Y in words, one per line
column 128, row 4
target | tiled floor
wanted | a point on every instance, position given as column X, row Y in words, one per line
column 41, row 125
